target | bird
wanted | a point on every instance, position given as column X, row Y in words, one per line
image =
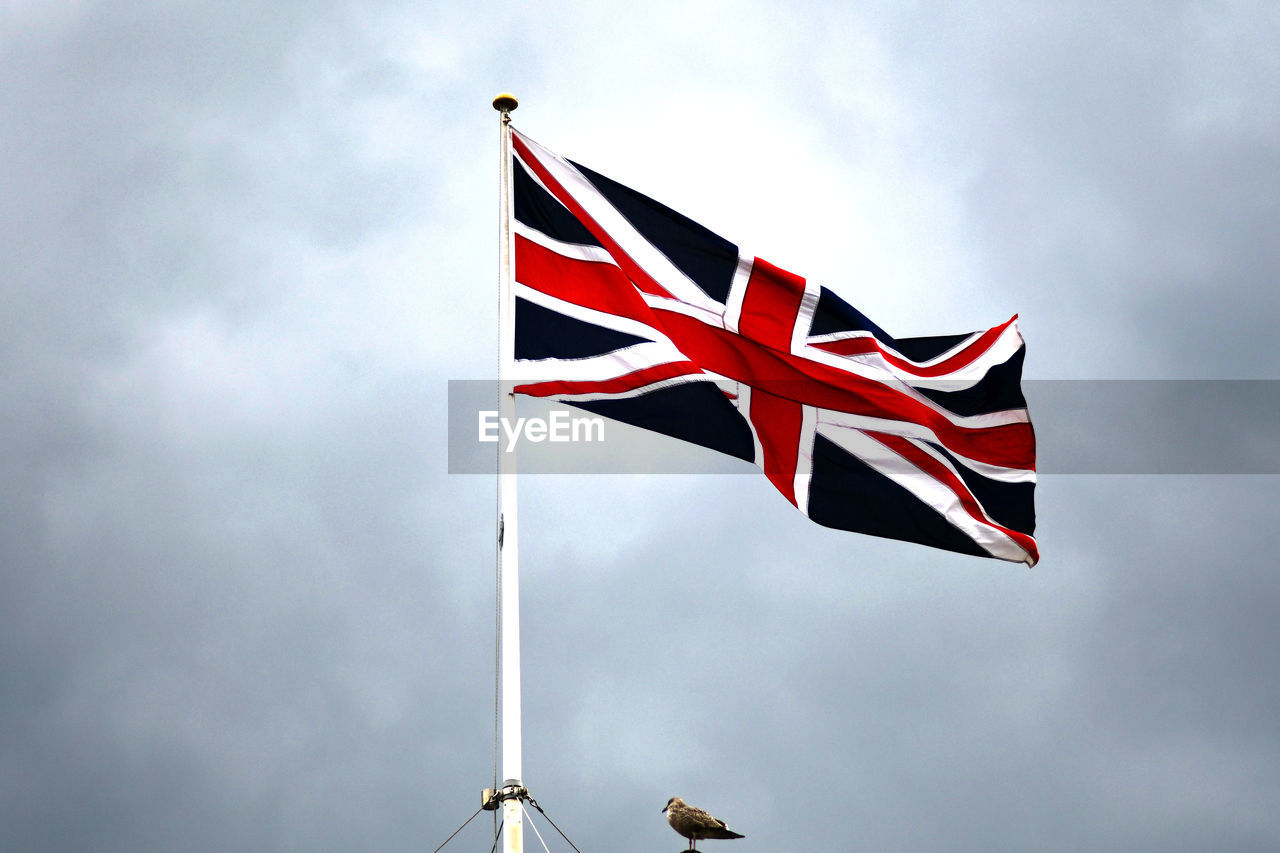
column 694, row 823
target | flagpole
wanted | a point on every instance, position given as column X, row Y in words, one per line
column 513, row 792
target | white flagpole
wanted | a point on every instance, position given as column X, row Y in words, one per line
column 513, row 792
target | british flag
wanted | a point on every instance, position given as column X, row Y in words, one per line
column 633, row 311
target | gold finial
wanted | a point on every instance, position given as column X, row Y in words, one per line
column 505, row 102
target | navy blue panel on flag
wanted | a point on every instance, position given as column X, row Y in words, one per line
column 706, row 258
column 833, row 314
column 847, row 494
column 1000, row 389
column 541, row 212
column 696, row 412
column 924, row 349
column 1009, row 504
column 543, row 333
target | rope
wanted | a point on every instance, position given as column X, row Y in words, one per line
column 496, row 835
column 534, row 803
column 535, row 829
column 459, row 829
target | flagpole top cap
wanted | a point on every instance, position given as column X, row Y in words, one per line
column 505, row 102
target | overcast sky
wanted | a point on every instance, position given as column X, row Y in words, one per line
column 245, row 607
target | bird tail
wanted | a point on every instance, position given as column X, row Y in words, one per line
column 725, row 833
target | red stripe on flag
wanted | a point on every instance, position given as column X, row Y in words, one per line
column 597, row 285
column 634, row 271
column 956, row 361
column 816, row 384
column 777, row 422
column 613, row 385
column 770, row 305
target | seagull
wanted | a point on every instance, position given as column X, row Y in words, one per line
column 695, row 824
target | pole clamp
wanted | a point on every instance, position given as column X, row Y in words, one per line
column 492, row 798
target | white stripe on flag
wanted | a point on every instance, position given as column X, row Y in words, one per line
column 804, row 456
column 639, row 391
column 912, row 429
column 804, row 317
column 575, row 251
column 612, row 365
column 743, row 402
column 738, row 291
column 966, row 376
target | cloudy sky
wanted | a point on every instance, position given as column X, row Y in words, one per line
column 244, row 605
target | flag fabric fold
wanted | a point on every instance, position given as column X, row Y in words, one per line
column 633, row 311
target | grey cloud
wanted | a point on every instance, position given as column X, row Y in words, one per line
column 243, row 606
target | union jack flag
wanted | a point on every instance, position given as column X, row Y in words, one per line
column 633, row 311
